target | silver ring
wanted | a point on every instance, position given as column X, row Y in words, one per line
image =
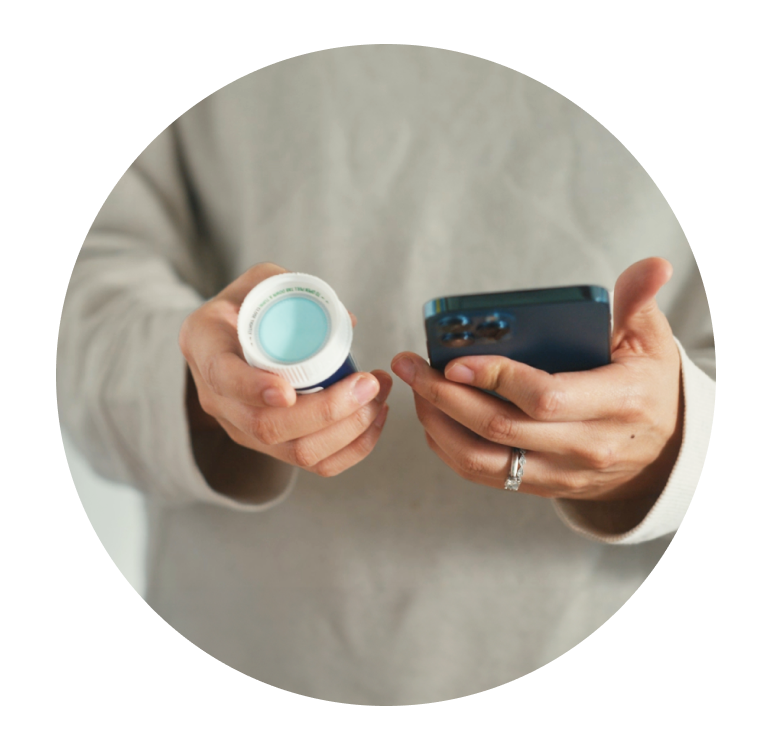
column 518, row 459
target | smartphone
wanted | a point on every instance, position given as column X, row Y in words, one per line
column 561, row 329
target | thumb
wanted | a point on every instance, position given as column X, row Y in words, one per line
column 639, row 326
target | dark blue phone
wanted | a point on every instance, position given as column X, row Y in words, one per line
column 562, row 329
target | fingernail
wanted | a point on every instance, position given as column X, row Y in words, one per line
column 405, row 369
column 460, row 374
column 273, row 397
column 382, row 416
column 365, row 389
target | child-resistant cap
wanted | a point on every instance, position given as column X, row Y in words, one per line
column 295, row 326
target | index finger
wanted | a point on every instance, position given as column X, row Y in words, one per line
column 602, row 393
column 313, row 412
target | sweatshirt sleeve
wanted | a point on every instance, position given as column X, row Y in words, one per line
column 121, row 378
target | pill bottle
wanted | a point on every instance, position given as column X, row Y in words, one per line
column 295, row 326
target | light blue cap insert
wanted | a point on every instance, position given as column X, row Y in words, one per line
column 293, row 329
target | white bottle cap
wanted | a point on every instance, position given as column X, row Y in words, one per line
column 294, row 325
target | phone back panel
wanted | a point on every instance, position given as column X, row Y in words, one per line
column 564, row 329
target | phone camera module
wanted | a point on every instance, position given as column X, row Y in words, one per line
column 457, row 339
column 454, row 323
column 492, row 331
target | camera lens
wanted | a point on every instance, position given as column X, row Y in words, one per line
column 454, row 323
column 460, row 338
column 492, row 330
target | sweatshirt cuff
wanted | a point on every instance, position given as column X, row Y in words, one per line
column 666, row 514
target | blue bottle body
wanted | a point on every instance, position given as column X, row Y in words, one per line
column 347, row 368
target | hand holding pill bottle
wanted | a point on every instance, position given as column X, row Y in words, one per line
column 279, row 378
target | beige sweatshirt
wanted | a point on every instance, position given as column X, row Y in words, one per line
column 397, row 174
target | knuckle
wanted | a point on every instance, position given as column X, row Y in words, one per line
column 435, row 392
column 209, row 370
column 471, row 464
column 264, row 430
column 302, row 454
column 598, row 456
column 547, row 404
column 328, row 411
column 501, row 375
column 633, row 408
column 499, row 428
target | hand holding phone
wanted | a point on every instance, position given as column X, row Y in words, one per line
column 610, row 433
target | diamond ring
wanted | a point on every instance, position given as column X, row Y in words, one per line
column 518, row 459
